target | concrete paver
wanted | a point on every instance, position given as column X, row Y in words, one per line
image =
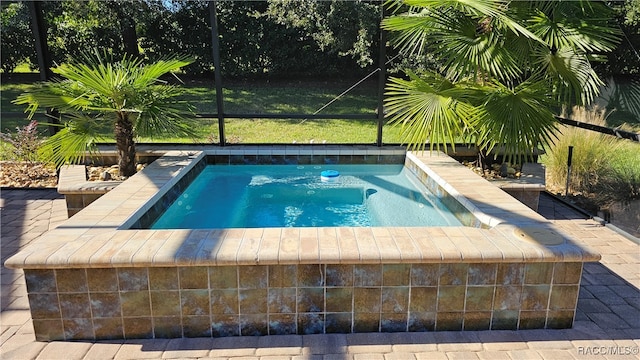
column 431, row 356
column 528, row 354
column 557, row 354
column 67, row 351
column 142, row 349
column 103, row 350
column 368, row 356
column 608, row 314
column 399, row 356
column 494, row 355
column 21, row 347
column 413, row 348
column 187, row 348
column 460, row 355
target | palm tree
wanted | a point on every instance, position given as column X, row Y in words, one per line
column 498, row 69
column 127, row 96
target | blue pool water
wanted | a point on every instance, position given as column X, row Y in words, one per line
column 258, row 196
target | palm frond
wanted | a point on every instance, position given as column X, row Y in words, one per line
column 163, row 112
column 413, row 32
column 427, row 110
column 165, row 119
column 469, row 45
column 581, row 25
column 506, row 64
column 97, row 77
column 518, row 119
column 493, row 8
column 57, row 94
column 151, row 73
column 572, row 76
column 468, row 54
column 630, row 97
column 76, row 138
column 479, row 8
column 624, row 96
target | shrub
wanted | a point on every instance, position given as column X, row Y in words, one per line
column 625, row 178
column 25, row 143
column 602, row 165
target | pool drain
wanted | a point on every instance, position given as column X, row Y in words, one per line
column 539, row 235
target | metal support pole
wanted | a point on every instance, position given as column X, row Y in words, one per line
column 39, row 30
column 382, row 75
column 566, row 189
column 215, row 45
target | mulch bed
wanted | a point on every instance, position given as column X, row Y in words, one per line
column 27, row 175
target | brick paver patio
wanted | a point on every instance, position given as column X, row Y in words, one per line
column 607, row 322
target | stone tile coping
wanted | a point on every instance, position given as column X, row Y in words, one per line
column 97, row 236
column 73, row 180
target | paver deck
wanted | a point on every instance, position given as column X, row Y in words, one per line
column 607, row 322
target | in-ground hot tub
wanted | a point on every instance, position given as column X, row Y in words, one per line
column 94, row 277
column 265, row 196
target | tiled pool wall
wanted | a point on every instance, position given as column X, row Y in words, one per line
column 436, row 187
column 204, row 301
column 308, row 158
column 155, row 210
column 95, row 278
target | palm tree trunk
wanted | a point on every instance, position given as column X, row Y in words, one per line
column 125, row 145
column 482, row 157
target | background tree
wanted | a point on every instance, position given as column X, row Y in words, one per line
column 127, row 95
column 257, row 38
column 625, row 59
column 500, row 69
column 178, row 27
column 80, row 25
column 17, row 44
column 253, row 34
column 346, row 29
column 127, row 12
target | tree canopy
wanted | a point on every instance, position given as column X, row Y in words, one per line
column 18, row 44
column 270, row 37
column 256, row 37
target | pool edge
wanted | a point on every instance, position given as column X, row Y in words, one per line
column 73, row 243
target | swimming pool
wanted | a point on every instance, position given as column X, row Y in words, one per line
column 101, row 275
column 263, row 196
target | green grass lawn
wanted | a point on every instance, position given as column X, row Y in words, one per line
column 259, row 98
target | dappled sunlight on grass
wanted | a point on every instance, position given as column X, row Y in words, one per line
column 280, row 99
column 260, row 99
column 301, row 131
